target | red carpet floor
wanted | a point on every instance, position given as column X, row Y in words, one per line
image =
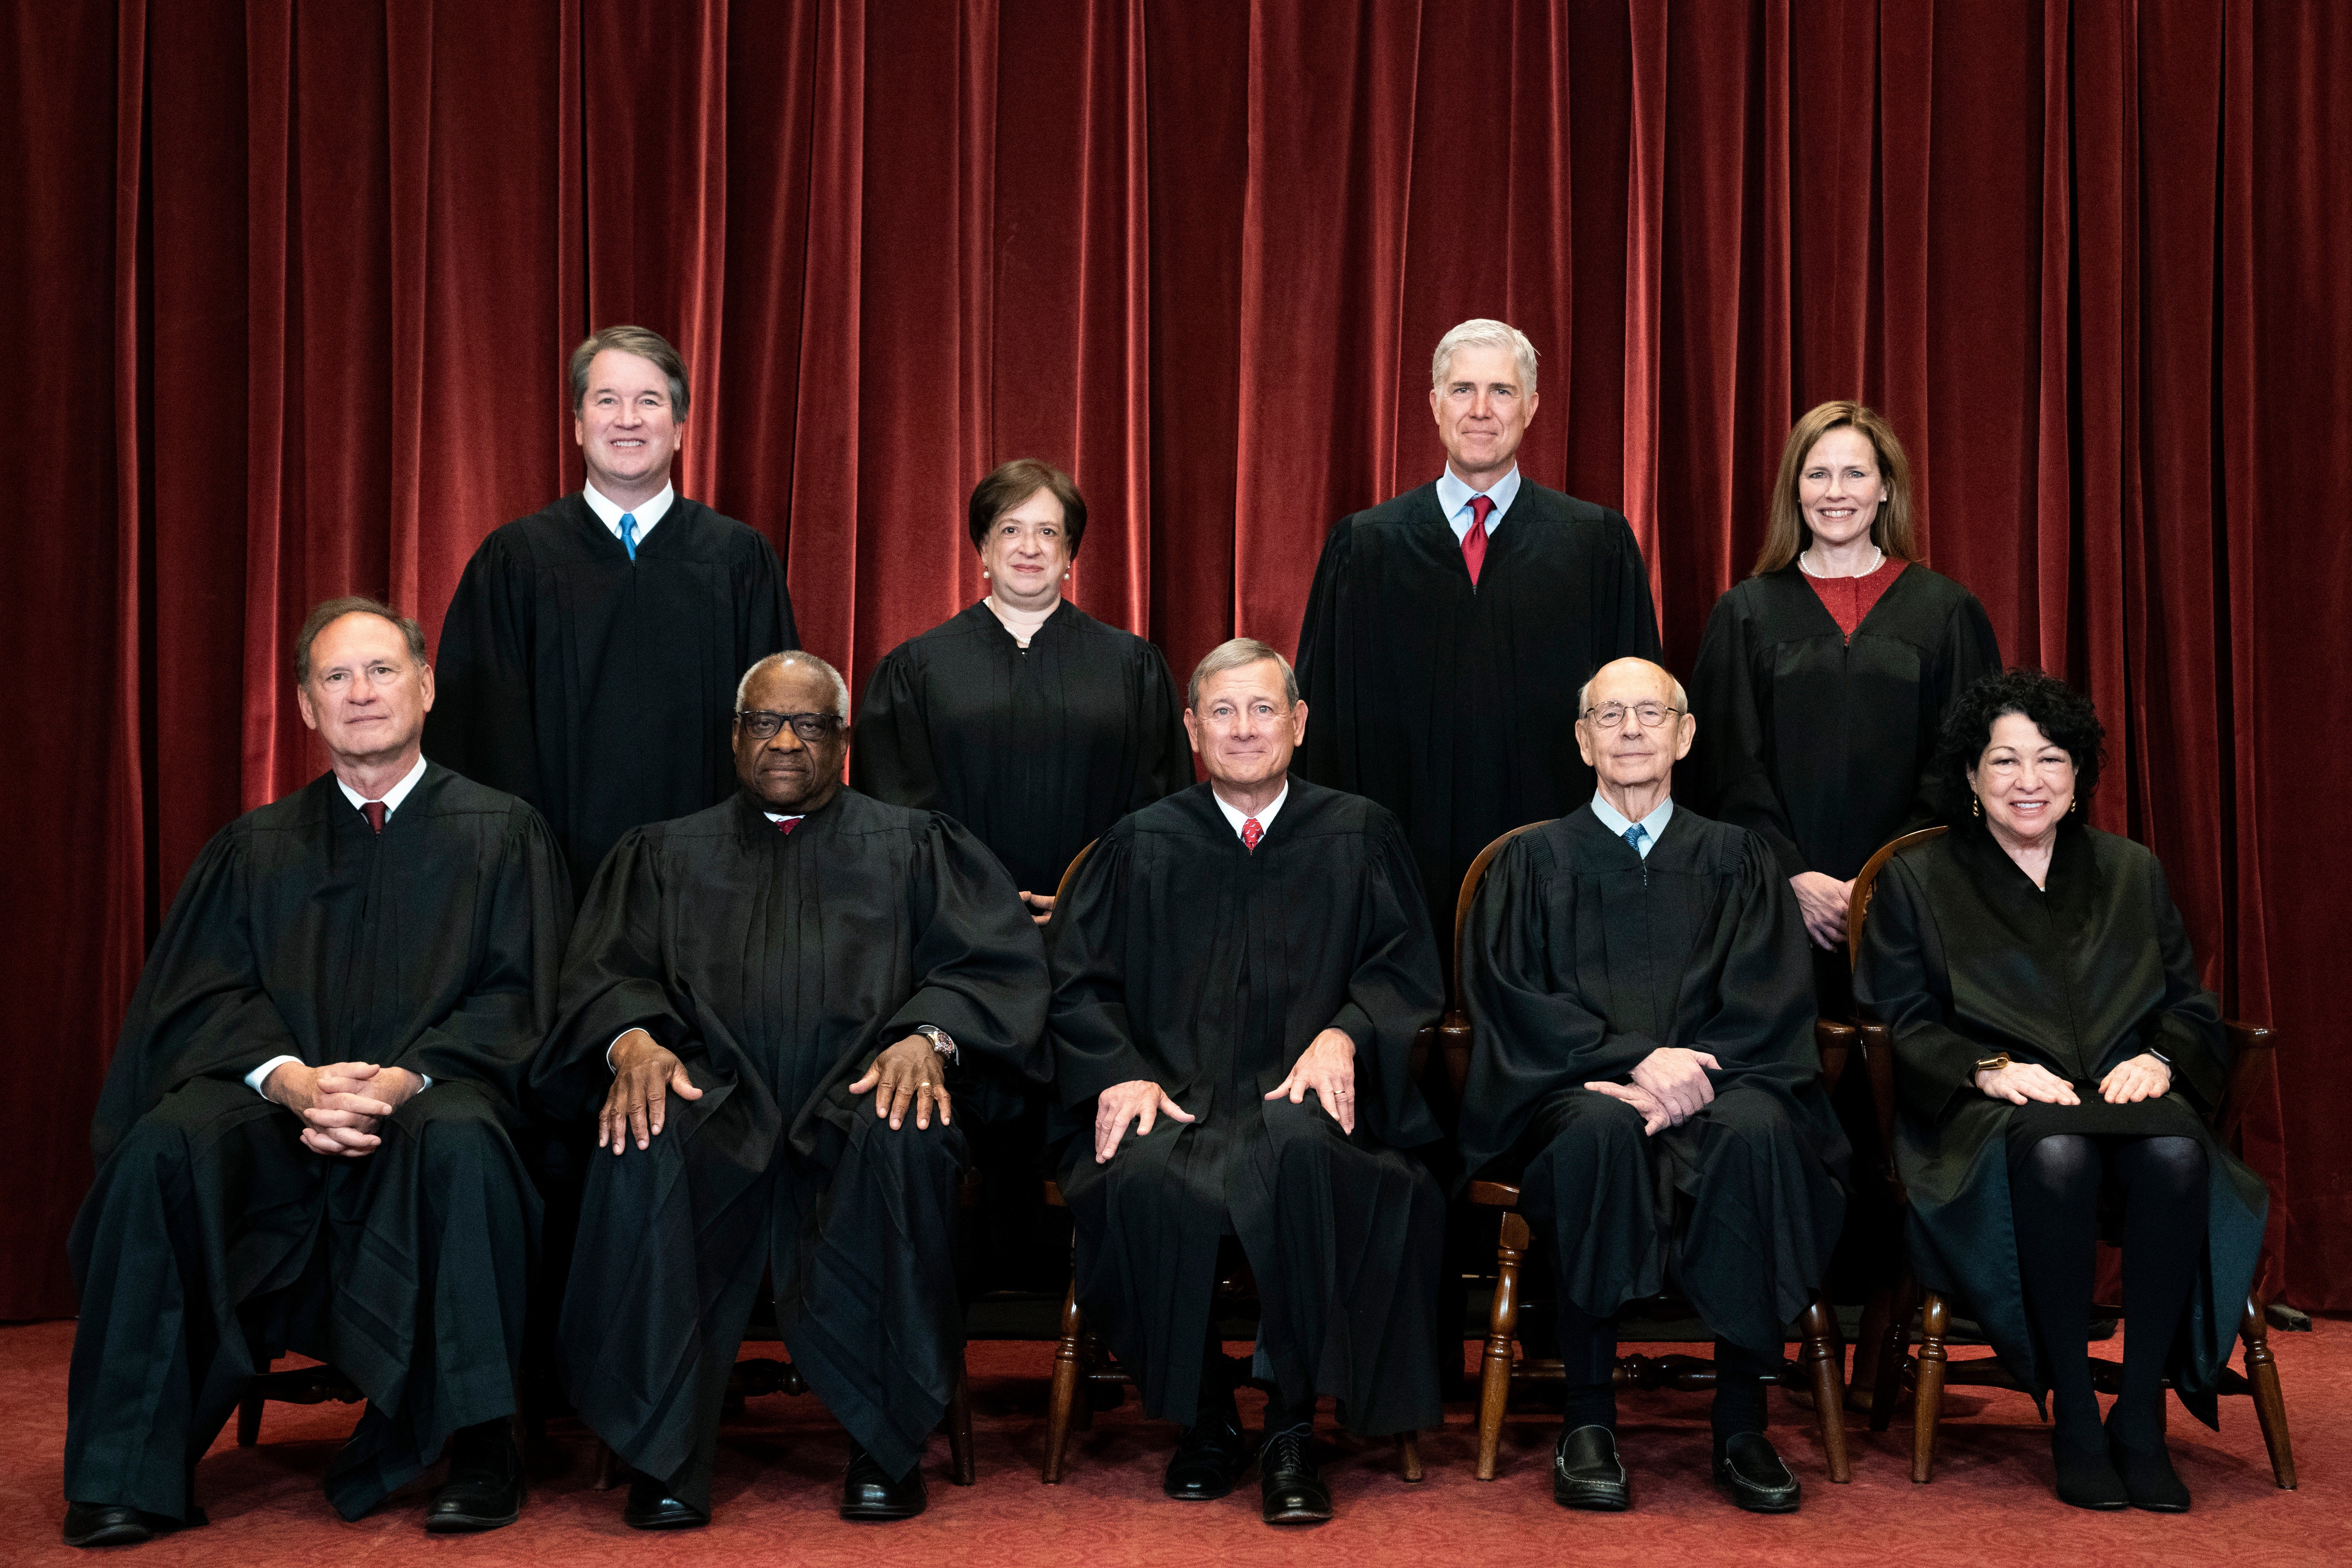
column 1990, row 1502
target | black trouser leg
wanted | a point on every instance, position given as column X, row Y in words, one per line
column 2164, row 1237
column 2054, row 1199
column 1739, row 1375
column 1588, row 1356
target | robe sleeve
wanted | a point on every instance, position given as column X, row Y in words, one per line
column 1396, row 991
column 612, row 982
column 767, row 625
column 1897, row 981
column 1093, row 1038
column 1762, row 1008
column 522, row 915
column 201, row 1010
column 482, row 724
column 1628, row 610
column 1968, row 651
column 2185, row 1028
column 1163, row 753
column 1326, row 755
column 1531, row 1037
column 978, row 963
column 1735, row 776
column 891, row 757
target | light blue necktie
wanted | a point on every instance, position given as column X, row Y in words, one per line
column 1634, row 837
column 629, row 532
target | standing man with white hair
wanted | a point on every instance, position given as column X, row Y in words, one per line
column 1448, row 629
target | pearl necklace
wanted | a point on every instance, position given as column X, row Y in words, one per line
column 1873, row 567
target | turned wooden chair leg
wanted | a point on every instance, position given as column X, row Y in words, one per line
column 1502, row 1326
column 1927, row 1393
column 249, row 1420
column 1825, row 1371
column 608, row 1467
column 1069, row 1369
column 1886, row 1388
column 1869, row 1344
column 2270, row 1404
column 959, row 1463
column 1409, row 1456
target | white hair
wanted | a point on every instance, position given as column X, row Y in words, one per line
column 1482, row 332
column 1240, row 654
column 1584, row 692
column 806, row 659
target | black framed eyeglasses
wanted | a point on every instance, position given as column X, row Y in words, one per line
column 811, row 727
column 1612, row 715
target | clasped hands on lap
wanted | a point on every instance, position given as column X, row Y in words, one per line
column 1328, row 1066
column 2142, row 1076
column 340, row 1103
column 909, row 1075
column 1670, row 1086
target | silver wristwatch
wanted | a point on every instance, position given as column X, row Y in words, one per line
column 941, row 1040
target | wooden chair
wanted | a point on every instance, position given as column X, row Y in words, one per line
column 1821, row 1367
column 1932, row 1369
column 1082, row 1362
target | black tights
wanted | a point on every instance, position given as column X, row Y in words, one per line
column 2054, row 1196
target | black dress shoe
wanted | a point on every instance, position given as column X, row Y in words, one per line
column 2086, row 1475
column 867, row 1493
column 480, row 1493
column 1586, row 1472
column 2149, row 1481
column 651, row 1507
column 1290, row 1489
column 114, row 1525
column 1208, row 1456
column 1750, row 1473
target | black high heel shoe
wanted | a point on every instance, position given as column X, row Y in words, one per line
column 2149, row 1481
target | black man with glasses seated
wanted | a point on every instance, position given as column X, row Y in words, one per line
column 773, row 1011
column 1643, row 1068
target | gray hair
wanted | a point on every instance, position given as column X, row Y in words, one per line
column 1482, row 332
column 1240, row 654
column 1584, row 692
column 807, row 661
column 333, row 610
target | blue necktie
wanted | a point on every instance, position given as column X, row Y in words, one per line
column 629, row 532
column 1634, row 837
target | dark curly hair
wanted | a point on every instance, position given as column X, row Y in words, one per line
column 2063, row 715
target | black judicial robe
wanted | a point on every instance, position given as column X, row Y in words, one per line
column 1038, row 751
column 1962, row 957
column 599, row 688
column 1819, row 742
column 1454, row 706
column 435, row 947
column 1182, row 957
column 776, row 966
column 1581, row 958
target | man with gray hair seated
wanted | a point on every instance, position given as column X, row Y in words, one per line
column 1448, row 629
column 1239, row 970
column 773, row 1011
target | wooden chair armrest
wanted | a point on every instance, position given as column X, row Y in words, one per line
column 1833, row 1043
column 1494, row 1195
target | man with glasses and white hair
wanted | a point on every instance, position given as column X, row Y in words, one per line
column 775, row 1011
column 1643, row 1068
column 1448, row 629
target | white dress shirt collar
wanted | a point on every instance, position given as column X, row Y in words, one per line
column 1454, row 500
column 1264, row 817
column 393, row 796
column 647, row 515
column 1655, row 823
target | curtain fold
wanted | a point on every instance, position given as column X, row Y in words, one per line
column 299, row 283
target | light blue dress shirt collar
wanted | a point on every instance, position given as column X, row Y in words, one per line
column 1654, row 823
column 1453, row 501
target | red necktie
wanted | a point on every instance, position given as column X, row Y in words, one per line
column 375, row 811
column 1251, row 834
column 1473, row 544
column 788, row 824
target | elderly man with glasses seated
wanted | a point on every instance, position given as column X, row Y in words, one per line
column 775, row 1011
column 1643, row 1068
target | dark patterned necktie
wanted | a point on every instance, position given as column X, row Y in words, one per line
column 375, row 810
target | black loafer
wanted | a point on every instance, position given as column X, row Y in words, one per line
column 1586, row 1472
column 1750, row 1473
column 651, row 1507
column 114, row 1525
column 1290, row 1489
column 868, row 1494
column 1207, row 1458
column 477, row 1496
column 2149, row 1481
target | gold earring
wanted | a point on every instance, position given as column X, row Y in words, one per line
column 2073, row 805
column 1976, row 805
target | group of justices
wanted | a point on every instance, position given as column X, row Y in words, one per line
column 632, row 896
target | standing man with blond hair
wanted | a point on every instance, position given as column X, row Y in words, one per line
column 589, row 657
column 1448, row 629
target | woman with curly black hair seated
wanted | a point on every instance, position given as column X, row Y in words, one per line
column 2051, row 1041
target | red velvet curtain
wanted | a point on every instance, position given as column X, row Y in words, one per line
column 296, row 284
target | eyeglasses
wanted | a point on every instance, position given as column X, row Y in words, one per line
column 811, row 727
column 1649, row 714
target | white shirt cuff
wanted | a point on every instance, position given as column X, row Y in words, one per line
column 260, row 1075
